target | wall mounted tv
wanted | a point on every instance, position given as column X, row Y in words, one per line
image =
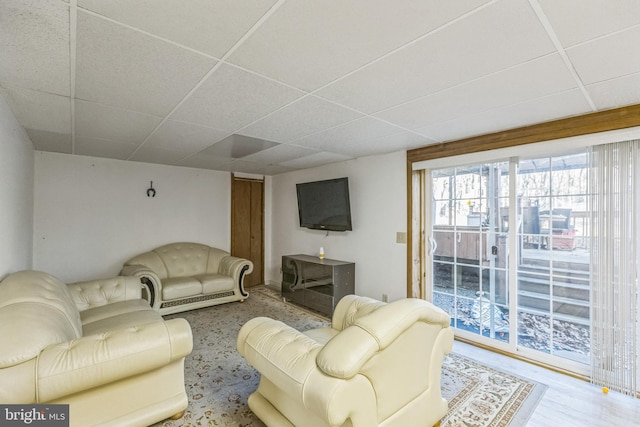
column 324, row 205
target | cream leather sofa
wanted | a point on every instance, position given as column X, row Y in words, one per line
column 93, row 345
column 184, row 276
column 377, row 365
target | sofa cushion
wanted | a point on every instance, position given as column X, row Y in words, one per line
column 215, row 257
column 122, row 321
column 180, row 287
column 212, row 283
column 184, row 259
column 114, row 309
column 321, row 335
column 96, row 293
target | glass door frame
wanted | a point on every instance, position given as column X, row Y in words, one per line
column 428, row 222
column 511, row 346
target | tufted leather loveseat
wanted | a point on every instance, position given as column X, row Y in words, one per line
column 184, row 276
column 96, row 346
column 378, row 364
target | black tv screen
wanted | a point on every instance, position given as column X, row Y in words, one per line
column 324, row 205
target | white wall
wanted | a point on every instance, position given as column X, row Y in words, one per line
column 378, row 205
column 92, row 214
column 16, row 194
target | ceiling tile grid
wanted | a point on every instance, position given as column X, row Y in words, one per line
column 272, row 86
column 466, row 50
column 184, row 138
column 607, row 57
column 303, row 117
column 39, row 110
column 123, row 68
column 98, row 147
column 577, row 21
column 208, row 26
column 334, row 37
column 537, row 78
column 541, row 110
column 114, row 124
column 231, row 98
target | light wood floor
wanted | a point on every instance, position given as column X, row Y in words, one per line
column 568, row 401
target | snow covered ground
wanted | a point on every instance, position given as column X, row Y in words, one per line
column 473, row 313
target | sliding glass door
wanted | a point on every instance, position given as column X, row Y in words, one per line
column 553, row 280
column 508, row 249
column 469, row 247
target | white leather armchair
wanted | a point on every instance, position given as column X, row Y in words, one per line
column 95, row 345
column 377, row 365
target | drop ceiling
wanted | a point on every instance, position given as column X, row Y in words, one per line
column 271, row 86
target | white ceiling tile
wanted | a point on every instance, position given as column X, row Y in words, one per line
column 608, row 57
column 241, row 166
column 566, row 104
column 314, row 160
column 39, row 110
column 468, row 49
column 203, row 161
column 301, row 118
column 104, row 122
column 275, row 170
column 307, row 44
column 34, row 41
column 210, row 26
column 348, row 138
column 157, row 155
column 533, row 79
column 390, row 143
column 123, row 68
column 184, row 137
column 238, row 146
column 96, row 147
column 279, row 154
column 232, row 98
column 576, row 21
column 616, row 93
column 50, row 141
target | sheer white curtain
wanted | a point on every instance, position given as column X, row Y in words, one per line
column 615, row 262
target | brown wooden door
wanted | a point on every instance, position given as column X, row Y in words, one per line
column 247, row 225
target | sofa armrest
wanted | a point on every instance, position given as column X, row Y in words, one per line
column 283, row 354
column 96, row 293
column 150, row 281
column 287, row 358
column 346, row 353
column 352, row 307
column 236, row 268
column 95, row 360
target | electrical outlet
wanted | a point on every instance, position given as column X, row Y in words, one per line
column 385, row 298
column 401, row 237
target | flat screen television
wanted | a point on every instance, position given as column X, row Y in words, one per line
column 324, row 205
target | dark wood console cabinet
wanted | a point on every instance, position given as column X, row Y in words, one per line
column 316, row 283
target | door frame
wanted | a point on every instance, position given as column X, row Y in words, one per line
column 234, row 179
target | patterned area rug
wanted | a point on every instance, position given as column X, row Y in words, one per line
column 219, row 380
column 480, row 396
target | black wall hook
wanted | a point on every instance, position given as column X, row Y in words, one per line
column 150, row 191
